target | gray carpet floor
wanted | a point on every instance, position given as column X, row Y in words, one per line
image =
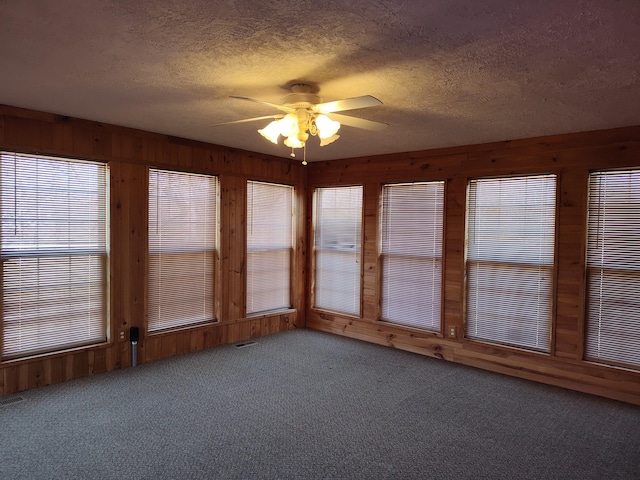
column 305, row 404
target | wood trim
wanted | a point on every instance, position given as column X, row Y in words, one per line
column 589, row 378
column 129, row 153
column 571, row 157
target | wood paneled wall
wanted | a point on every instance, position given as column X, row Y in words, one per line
column 129, row 153
column 571, row 157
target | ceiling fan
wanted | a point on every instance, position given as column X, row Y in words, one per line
column 305, row 114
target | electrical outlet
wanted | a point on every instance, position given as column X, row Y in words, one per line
column 452, row 332
column 122, row 335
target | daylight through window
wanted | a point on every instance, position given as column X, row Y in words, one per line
column 54, row 254
column 510, row 260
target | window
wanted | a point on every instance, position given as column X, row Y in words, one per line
column 337, row 240
column 182, row 249
column 510, row 258
column 412, row 216
column 54, row 254
column 269, row 246
column 613, row 268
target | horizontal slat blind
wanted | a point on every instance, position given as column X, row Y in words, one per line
column 613, row 268
column 412, row 216
column 182, row 248
column 54, row 254
column 337, row 242
column 269, row 246
column 510, row 256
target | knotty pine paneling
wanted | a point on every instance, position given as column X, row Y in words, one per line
column 370, row 280
column 299, row 285
column 233, row 203
column 571, row 157
column 128, row 252
column 453, row 252
column 129, row 153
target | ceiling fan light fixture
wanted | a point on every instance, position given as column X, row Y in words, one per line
column 327, row 141
column 306, row 115
column 293, row 142
column 288, row 125
column 327, row 128
column 271, row 132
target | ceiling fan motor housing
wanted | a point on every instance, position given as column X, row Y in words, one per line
column 301, row 100
column 301, row 97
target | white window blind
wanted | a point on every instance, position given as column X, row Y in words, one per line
column 613, row 268
column 182, row 249
column 269, row 246
column 337, row 242
column 510, row 257
column 54, row 254
column 412, row 216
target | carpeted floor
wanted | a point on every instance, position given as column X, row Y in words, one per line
column 305, row 404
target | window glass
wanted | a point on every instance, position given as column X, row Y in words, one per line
column 411, row 251
column 510, row 260
column 269, row 246
column 337, row 242
column 182, row 249
column 613, row 268
column 54, row 254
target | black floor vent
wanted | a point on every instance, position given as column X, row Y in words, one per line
column 8, row 401
column 246, row 344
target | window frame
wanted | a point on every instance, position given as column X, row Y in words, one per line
column 292, row 191
column 104, row 255
column 599, row 360
column 553, row 267
column 440, row 259
column 216, row 257
column 315, row 250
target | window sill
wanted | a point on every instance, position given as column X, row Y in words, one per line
column 410, row 328
column 323, row 312
column 57, row 353
column 182, row 328
column 271, row 313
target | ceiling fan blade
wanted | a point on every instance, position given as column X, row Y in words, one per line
column 245, row 120
column 358, row 122
column 273, row 105
column 347, row 104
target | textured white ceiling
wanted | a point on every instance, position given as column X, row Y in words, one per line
column 449, row 72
